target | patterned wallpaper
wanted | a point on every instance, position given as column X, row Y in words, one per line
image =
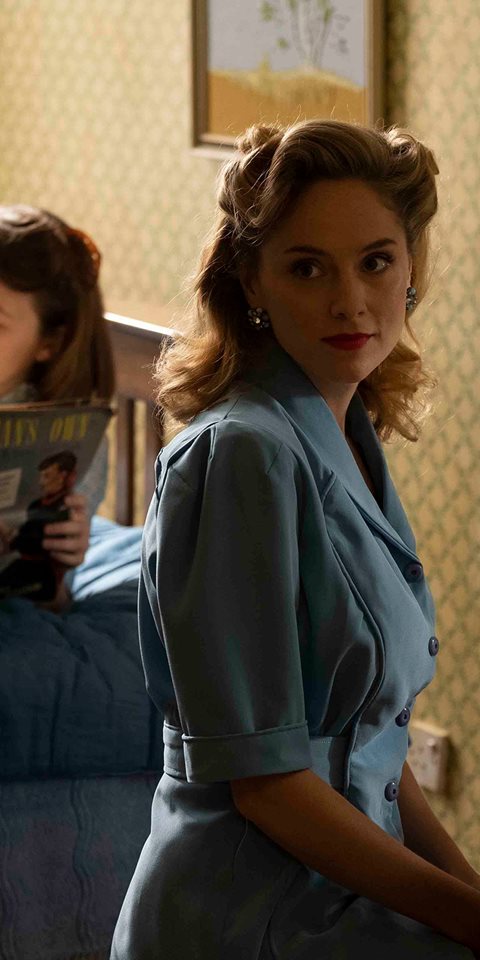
column 95, row 106
column 94, row 99
column 434, row 86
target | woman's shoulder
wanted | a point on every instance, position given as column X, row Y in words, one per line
column 245, row 428
column 245, row 411
column 22, row 393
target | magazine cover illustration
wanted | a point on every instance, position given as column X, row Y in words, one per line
column 45, row 451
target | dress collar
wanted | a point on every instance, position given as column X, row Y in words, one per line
column 277, row 373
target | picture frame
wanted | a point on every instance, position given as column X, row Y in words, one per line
column 279, row 61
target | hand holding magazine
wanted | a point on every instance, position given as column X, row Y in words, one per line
column 45, row 450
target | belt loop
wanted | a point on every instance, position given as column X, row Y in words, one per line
column 173, row 758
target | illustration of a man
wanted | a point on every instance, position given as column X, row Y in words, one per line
column 25, row 565
column 57, row 479
column 57, row 475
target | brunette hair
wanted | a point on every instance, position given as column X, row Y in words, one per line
column 65, row 460
column 257, row 189
column 40, row 254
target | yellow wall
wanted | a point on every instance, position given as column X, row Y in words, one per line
column 95, row 123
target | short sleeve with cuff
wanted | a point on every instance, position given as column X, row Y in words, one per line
column 220, row 584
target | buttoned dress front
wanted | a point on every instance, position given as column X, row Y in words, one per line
column 285, row 624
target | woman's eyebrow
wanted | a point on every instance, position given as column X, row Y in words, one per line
column 306, row 248
column 378, row 243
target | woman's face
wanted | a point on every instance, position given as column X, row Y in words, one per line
column 21, row 342
column 333, row 278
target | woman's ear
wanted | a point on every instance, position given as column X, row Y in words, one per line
column 44, row 353
column 49, row 346
column 410, row 271
column 249, row 284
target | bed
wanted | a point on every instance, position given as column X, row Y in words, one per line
column 80, row 742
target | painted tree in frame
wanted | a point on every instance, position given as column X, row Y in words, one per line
column 284, row 60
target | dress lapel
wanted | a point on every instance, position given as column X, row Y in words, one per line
column 389, row 516
column 276, row 373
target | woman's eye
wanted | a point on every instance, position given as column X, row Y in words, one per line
column 377, row 262
column 307, row 269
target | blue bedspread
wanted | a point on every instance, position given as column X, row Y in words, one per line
column 72, row 690
column 112, row 559
column 68, row 852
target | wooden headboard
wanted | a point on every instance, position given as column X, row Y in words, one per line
column 135, row 346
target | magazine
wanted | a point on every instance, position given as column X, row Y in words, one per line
column 45, row 450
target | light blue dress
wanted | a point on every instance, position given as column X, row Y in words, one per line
column 285, row 624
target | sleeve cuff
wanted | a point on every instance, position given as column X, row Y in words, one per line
column 280, row 750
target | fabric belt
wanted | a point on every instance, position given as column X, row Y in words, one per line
column 328, row 756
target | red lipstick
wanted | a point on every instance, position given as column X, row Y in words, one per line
column 348, row 341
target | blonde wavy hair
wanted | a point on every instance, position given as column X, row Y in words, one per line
column 257, row 189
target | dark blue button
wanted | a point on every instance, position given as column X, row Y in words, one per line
column 392, row 790
column 403, row 717
column 414, row 572
column 433, row 646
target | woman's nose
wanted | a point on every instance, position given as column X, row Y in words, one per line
column 347, row 297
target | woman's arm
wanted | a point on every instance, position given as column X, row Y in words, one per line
column 425, row 835
column 321, row 829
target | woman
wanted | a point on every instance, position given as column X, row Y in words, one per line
column 54, row 346
column 286, row 625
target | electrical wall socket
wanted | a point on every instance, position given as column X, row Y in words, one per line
column 428, row 754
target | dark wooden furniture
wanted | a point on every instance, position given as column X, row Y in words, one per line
column 135, row 344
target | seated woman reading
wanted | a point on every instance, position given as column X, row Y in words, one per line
column 54, row 346
column 80, row 741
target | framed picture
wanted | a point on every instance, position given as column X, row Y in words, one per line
column 279, row 61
